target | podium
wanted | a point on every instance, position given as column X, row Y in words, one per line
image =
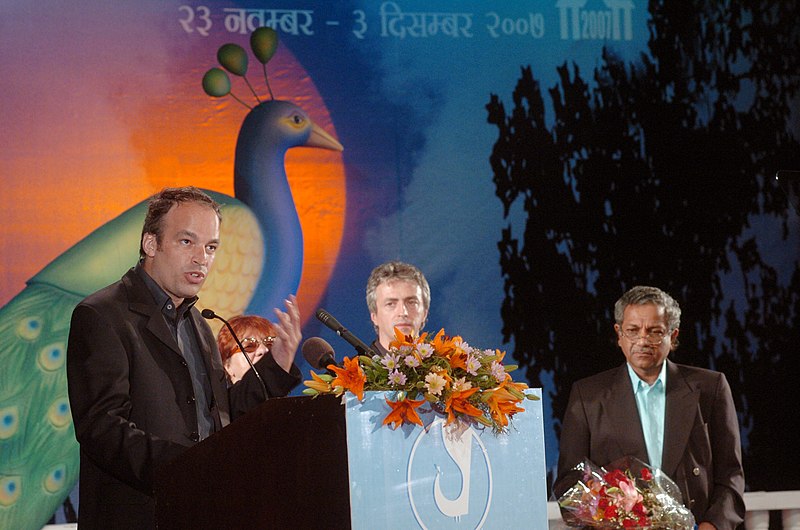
column 301, row 462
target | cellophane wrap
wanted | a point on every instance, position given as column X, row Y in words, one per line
column 626, row 493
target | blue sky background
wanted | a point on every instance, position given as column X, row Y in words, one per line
column 411, row 115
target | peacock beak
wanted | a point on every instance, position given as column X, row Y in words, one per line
column 320, row 138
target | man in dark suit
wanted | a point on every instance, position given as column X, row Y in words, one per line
column 678, row 418
column 144, row 374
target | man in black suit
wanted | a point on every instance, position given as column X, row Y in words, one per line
column 678, row 418
column 144, row 374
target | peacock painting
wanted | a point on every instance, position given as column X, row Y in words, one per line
column 257, row 266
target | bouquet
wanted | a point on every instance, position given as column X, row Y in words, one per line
column 625, row 494
column 457, row 380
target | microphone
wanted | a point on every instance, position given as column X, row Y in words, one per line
column 209, row 314
column 319, row 354
column 327, row 319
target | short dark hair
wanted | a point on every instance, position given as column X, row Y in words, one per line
column 163, row 201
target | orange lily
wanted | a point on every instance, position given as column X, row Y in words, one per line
column 502, row 404
column 351, row 377
column 443, row 344
column 447, row 347
column 318, row 384
column 403, row 411
column 406, row 340
column 458, row 402
column 458, row 359
column 401, row 340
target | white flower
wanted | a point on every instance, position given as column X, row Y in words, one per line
column 461, row 384
column 412, row 361
column 435, row 383
column 390, row 361
column 397, row 378
column 473, row 365
column 499, row 372
column 425, row 350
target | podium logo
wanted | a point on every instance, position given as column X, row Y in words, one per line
column 449, row 477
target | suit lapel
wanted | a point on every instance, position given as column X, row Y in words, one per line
column 141, row 301
column 626, row 424
column 681, row 410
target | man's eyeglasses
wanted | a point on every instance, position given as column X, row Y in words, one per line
column 251, row 344
column 654, row 337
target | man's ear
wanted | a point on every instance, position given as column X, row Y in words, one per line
column 374, row 318
column 617, row 333
column 673, row 337
column 149, row 244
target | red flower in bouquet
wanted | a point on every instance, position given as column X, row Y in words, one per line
column 623, row 498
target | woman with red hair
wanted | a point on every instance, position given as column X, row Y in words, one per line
column 256, row 334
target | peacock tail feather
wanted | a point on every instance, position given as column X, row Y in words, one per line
column 39, row 462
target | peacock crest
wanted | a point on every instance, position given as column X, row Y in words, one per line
column 234, row 59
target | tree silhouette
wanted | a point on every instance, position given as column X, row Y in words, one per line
column 660, row 173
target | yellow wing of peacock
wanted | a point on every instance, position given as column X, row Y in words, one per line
column 38, row 451
column 237, row 267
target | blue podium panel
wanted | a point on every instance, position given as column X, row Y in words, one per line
column 441, row 477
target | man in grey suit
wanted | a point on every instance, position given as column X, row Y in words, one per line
column 144, row 374
column 678, row 418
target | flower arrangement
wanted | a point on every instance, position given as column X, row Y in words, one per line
column 458, row 380
column 631, row 495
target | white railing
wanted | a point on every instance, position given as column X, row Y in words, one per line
column 758, row 503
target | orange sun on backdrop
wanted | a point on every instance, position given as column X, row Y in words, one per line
column 183, row 137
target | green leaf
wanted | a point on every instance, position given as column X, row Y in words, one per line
column 516, row 393
column 484, row 420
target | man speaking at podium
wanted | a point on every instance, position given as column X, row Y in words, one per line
column 398, row 295
column 678, row 418
column 144, row 374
